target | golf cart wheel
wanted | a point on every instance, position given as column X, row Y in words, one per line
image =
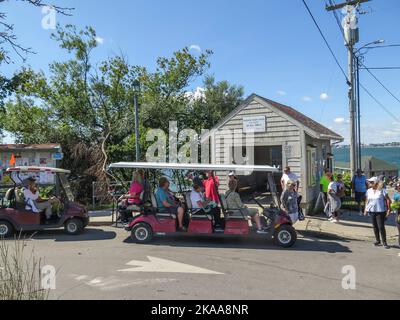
column 142, row 233
column 285, row 236
column 73, row 226
column 6, row 229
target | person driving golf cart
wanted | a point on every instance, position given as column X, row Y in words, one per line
column 33, row 201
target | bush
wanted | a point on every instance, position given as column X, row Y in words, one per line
column 20, row 277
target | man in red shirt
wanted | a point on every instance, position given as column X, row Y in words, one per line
column 211, row 185
column 211, row 192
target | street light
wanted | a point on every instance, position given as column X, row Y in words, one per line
column 358, row 122
column 136, row 88
column 380, row 41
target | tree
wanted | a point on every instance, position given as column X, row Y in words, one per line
column 8, row 38
column 9, row 42
column 218, row 100
column 88, row 107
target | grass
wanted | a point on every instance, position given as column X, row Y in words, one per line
column 20, row 272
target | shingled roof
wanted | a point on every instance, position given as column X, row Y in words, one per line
column 311, row 126
column 12, row 147
column 303, row 119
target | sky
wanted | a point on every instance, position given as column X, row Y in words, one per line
column 272, row 48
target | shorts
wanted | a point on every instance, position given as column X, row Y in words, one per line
column 360, row 197
column 173, row 210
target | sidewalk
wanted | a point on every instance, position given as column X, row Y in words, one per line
column 101, row 218
column 351, row 227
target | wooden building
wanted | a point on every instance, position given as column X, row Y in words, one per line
column 43, row 155
column 282, row 137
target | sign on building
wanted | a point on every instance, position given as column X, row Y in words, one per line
column 255, row 124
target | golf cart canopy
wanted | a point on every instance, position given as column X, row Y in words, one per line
column 38, row 169
column 192, row 167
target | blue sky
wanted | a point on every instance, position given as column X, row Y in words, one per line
column 271, row 48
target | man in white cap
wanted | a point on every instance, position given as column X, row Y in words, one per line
column 289, row 176
column 378, row 206
column 232, row 177
column 34, row 202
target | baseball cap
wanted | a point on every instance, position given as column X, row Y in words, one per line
column 27, row 181
column 231, row 174
column 373, row 180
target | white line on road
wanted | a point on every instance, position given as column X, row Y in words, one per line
column 165, row 266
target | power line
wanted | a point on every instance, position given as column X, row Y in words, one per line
column 341, row 68
column 380, row 82
column 381, row 68
column 379, row 103
column 326, row 41
column 386, row 46
column 332, row 3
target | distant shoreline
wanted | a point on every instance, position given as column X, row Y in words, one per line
column 369, row 147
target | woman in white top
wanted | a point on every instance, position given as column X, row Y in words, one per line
column 197, row 198
column 378, row 206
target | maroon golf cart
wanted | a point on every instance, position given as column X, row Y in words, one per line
column 16, row 216
column 151, row 221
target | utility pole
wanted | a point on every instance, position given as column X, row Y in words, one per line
column 136, row 87
column 351, row 35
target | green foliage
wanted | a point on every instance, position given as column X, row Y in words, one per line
column 88, row 107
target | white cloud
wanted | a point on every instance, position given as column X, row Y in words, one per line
column 391, row 133
column 281, row 92
column 195, row 47
column 195, row 95
column 99, row 40
column 306, row 99
column 339, row 120
column 324, row 96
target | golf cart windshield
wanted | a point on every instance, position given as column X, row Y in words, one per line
column 240, row 170
column 44, row 177
column 66, row 187
column 194, row 167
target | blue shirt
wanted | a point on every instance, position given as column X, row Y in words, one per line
column 359, row 183
column 161, row 196
column 396, row 196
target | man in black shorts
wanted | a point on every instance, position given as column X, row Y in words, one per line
column 359, row 185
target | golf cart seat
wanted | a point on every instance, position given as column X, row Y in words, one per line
column 233, row 214
column 195, row 214
column 19, row 199
column 157, row 212
column 135, row 208
column 9, row 198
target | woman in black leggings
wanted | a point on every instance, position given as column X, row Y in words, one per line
column 378, row 206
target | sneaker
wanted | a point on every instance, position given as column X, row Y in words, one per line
column 262, row 232
column 333, row 220
column 377, row 244
column 330, row 219
column 219, row 230
column 183, row 229
column 386, row 246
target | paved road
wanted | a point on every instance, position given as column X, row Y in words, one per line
column 89, row 268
